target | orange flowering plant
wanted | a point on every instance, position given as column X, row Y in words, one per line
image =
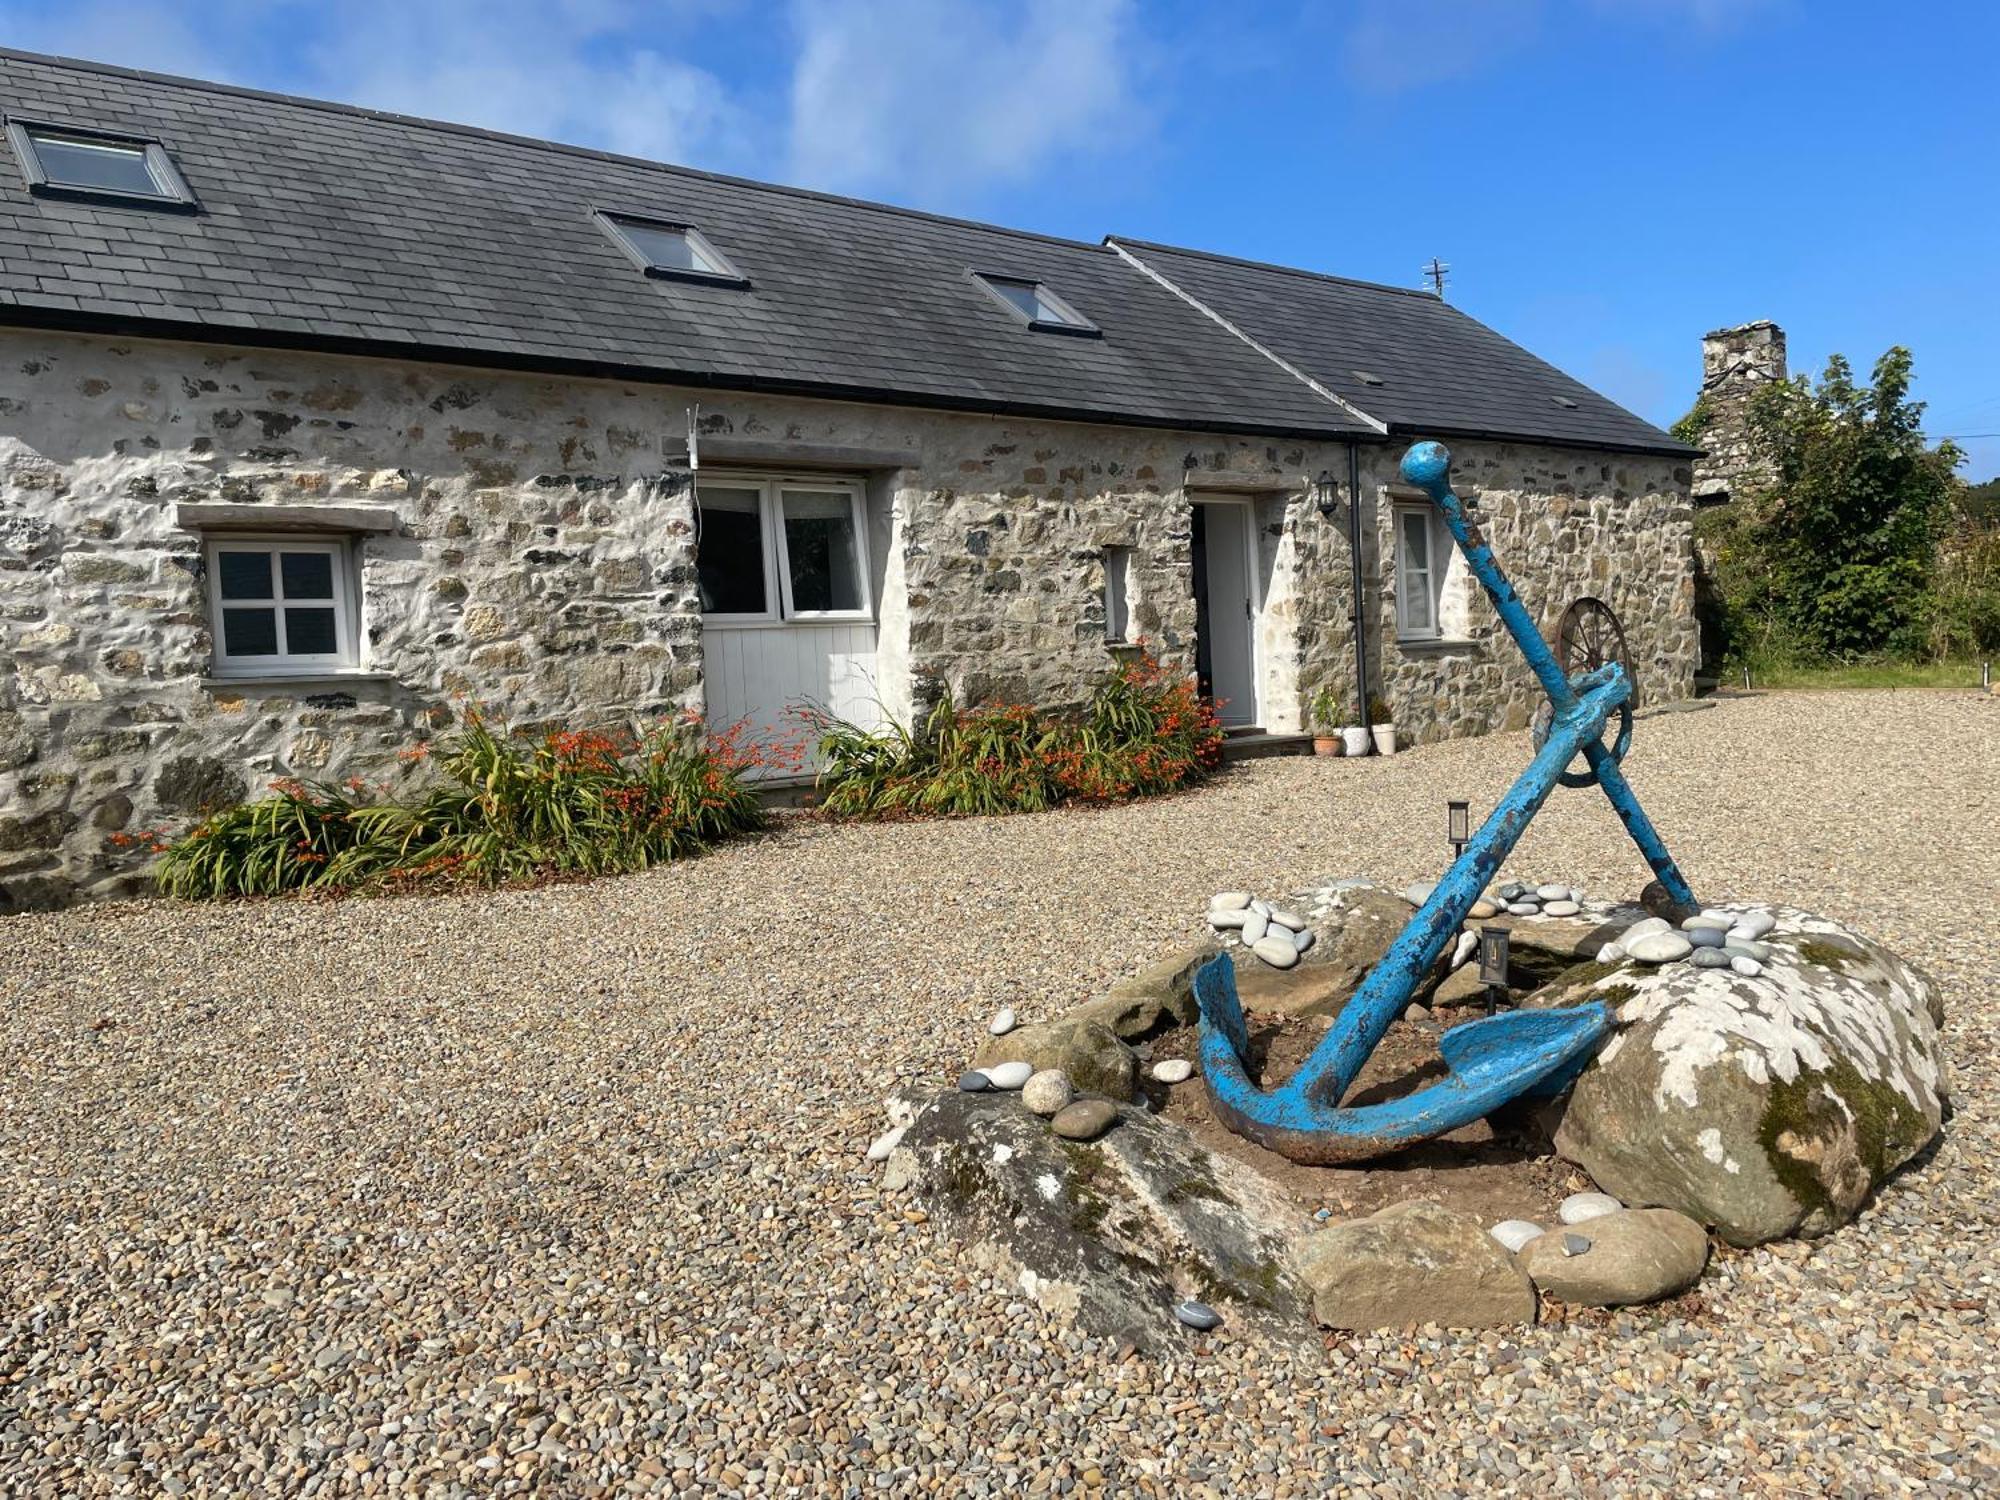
column 507, row 807
column 1145, row 731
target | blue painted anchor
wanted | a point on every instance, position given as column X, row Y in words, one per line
column 1490, row 1061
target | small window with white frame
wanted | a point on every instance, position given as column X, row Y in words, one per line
column 774, row 549
column 1118, row 595
column 281, row 606
column 1420, row 573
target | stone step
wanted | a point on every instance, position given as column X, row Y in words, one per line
column 1252, row 743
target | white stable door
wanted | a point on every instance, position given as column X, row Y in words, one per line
column 1230, row 617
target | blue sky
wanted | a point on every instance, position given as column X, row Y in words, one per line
column 1607, row 178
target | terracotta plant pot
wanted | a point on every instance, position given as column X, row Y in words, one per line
column 1326, row 744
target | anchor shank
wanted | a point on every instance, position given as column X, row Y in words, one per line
column 1513, row 613
column 1325, row 1076
column 1625, row 803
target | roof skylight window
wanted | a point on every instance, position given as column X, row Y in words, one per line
column 1368, row 377
column 62, row 161
column 1034, row 304
column 674, row 252
column 1564, row 401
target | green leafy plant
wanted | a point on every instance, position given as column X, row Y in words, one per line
column 1325, row 709
column 507, row 809
column 1144, row 732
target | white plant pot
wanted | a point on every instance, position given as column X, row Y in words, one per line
column 1355, row 739
column 1385, row 739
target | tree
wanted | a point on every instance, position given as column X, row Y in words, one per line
column 1980, row 503
column 1847, row 541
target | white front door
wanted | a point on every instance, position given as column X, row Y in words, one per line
column 1226, row 606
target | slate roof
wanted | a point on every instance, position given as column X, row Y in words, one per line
column 1442, row 373
column 327, row 226
column 332, row 223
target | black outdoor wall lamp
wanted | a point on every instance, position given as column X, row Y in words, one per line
column 1326, row 493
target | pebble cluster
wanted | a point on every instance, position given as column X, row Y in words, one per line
column 561, row 1192
column 1709, row 940
column 1520, row 900
column 1275, row 935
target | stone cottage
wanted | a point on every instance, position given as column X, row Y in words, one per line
column 316, row 423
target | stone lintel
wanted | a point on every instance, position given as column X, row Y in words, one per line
column 246, row 517
column 748, row 451
column 1243, row 481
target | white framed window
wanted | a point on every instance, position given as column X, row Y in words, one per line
column 1035, row 304
column 773, row 549
column 1118, row 595
column 1420, row 573
column 671, row 250
column 281, row 606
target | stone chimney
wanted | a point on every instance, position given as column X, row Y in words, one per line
column 1736, row 363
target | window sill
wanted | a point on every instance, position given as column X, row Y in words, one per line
column 795, row 622
column 1436, row 646
column 214, row 683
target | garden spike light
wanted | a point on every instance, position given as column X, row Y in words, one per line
column 1492, row 1060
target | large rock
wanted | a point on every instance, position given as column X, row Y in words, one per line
column 1635, row 1255
column 1353, row 924
column 1087, row 1050
column 1112, row 1232
column 1763, row 1106
column 1416, row 1262
column 1162, row 989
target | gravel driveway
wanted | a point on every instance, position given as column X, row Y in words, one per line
column 562, row 1192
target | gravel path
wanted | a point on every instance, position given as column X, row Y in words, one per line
column 562, row 1191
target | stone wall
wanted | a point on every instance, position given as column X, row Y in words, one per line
column 539, row 563
column 538, row 559
column 1736, row 363
column 1564, row 525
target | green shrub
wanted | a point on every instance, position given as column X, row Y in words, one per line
column 303, row 837
column 1840, row 561
column 508, row 809
column 1965, row 594
column 1143, row 733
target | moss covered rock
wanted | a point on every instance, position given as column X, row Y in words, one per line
column 1162, row 991
column 1087, row 1050
column 1764, row 1106
column 1110, row 1233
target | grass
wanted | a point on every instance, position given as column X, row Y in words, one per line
column 1863, row 674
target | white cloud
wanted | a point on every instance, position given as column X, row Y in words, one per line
column 114, row 31
column 592, row 72
column 934, row 99
column 567, row 71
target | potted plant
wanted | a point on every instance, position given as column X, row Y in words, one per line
column 1384, row 726
column 1355, row 735
column 1326, row 737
